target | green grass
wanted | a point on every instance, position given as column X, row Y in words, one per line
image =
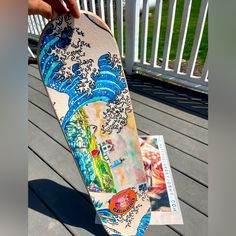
column 190, row 33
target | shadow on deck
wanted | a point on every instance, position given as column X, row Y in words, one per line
column 58, row 204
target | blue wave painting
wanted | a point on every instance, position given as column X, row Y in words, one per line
column 107, row 83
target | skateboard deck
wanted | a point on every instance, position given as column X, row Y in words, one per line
column 81, row 69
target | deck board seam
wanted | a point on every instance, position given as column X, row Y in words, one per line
column 70, row 151
column 175, row 230
column 193, row 207
column 36, row 67
column 172, row 129
column 168, row 113
column 50, row 136
column 42, row 109
column 176, row 148
column 49, row 209
column 34, row 77
column 190, row 177
column 139, row 115
column 54, row 170
column 180, row 199
column 137, row 129
column 78, row 173
column 38, row 90
column 185, row 109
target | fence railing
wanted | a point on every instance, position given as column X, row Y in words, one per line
column 130, row 22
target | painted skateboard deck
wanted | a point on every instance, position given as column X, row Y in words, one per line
column 81, row 68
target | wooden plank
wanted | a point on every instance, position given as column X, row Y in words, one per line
column 169, row 33
column 188, row 212
column 179, row 160
column 182, row 35
column 171, row 122
column 200, row 221
column 144, row 36
column 188, row 165
column 196, row 195
column 195, row 223
column 156, row 32
column 160, row 230
column 34, row 72
column 181, row 142
column 144, row 100
column 41, row 221
column 56, row 156
column 68, row 205
column 41, row 101
column 170, row 110
column 36, row 84
column 189, row 191
column 164, row 119
column 47, row 123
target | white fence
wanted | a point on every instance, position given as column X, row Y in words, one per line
column 129, row 21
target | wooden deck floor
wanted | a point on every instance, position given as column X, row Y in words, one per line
column 58, row 203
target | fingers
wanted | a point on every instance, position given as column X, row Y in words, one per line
column 39, row 8
column 51, row 8
column 73, row 7
column 57, row 6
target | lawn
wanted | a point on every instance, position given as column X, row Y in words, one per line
column 190, row 33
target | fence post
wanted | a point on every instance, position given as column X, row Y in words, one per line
column 132, row 9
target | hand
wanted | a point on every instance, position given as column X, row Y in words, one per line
column 48, row 8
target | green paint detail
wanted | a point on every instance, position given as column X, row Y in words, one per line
column 103, row 175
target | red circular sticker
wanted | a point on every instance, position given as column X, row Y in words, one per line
column 122, row 202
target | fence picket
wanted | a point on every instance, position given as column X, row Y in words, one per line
column 110, row 15
column 40, row 26
column 131, row 46
column 182, row 36
column 132, row 33
column 197, row 37
column 144, row 36
column 30, row 25
column 101, row 9
column 169, row 33
column 92, row 6
column 35, row 31
column 84, row 4
column 41, row 22
column 31, row 53
column 156, row 33
column 78, row 3
column 36, row 24
column 120, row 18
column 204, row 76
